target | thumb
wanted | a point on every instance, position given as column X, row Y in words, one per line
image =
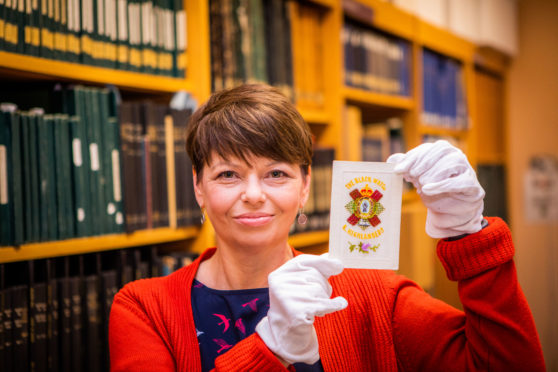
column 395, row 158
column 323, row 264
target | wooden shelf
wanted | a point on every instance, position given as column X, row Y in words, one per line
column 360, row 96
column 14, row 65
column 314, row 116
column 443, row 132
column 309, row 238
column 388, row 18
column 94, row 244
column 443, row 41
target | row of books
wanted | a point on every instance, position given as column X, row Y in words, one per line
column 444, row 98
column 54, row 312
column 250, row 42
column 309, row 53
column 81, row 165
column 375, row 61
column 157, row 171
column 381, row 139
column 138, row 35
column 317, row 206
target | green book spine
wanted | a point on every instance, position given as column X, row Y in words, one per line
column 21, row 21
column 6, row 227
column 10, row 25
column 109, row 208
column 122, row 44
column 96, row 157
column 68, row 203
column 27, row 170
column 86, row 32
column 44, row 169
column 16, row 194
column 79, row 170
column 47, row 179
column 61, row 186
column 74, row 99
column 92, row 157
column 180, row 37
column 113, row 125
column 35, row 233
column 52, row 191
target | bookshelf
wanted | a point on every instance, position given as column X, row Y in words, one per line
column 35, row 251
column 322, row 73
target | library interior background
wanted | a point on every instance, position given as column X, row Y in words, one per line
column 95, row 96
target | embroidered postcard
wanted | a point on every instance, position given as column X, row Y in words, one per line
column 365, row 215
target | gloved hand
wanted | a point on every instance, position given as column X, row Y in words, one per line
column 299, row 291
column 447, row 185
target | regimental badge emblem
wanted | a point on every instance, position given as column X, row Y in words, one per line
column 365, row 207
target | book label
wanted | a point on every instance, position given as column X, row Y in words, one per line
column 94, row 153
column 116, row 187
column 365, row 215
column 76, row 146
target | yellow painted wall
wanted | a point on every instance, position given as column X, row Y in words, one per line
column 533, row 129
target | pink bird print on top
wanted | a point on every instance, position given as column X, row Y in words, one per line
column 252, row 304
column 224, row 320
column 224, row 345
column 240, row 326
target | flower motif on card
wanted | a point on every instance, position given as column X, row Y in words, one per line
column 365, row 207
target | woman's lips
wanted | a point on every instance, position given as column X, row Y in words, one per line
column 254, row 219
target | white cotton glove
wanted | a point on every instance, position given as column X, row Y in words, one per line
column 299, row 291
column 447, row 185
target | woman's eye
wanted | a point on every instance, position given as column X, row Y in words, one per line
column 226, row 174
column 277, row 174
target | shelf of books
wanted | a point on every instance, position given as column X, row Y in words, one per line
column 302, row 240
column 23, row 66
column 34, row 251
column 368, row 98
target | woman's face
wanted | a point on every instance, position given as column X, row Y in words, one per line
column 254, row 203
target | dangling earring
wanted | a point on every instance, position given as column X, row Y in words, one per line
column 302, row 218
column 202, row 218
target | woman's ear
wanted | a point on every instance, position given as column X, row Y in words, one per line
column 305, row 192
column 198, row 192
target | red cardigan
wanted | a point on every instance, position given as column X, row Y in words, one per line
column 390, row 323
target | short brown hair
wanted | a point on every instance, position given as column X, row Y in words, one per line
column 251, row 119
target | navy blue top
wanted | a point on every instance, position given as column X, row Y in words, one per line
column 223, row 318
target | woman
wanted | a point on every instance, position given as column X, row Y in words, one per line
column 253, row 303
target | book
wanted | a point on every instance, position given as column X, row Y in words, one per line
column 47, row 179
column 109, row 288
column 161, row 158
column 20, row 327
column 77, row 315
column 114, row 158
column 8, row 347
column 170, row 169
column 52, row 311
column 185, row 202
column 66, row 311
column 38, row 316
column 15, row 193
column 6, row 212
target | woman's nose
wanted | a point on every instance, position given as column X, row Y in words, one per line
column 253, row 192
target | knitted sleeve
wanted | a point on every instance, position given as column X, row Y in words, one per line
column 135, row 344
column 495, row 332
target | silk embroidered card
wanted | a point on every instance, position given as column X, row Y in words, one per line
column 365, row 216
